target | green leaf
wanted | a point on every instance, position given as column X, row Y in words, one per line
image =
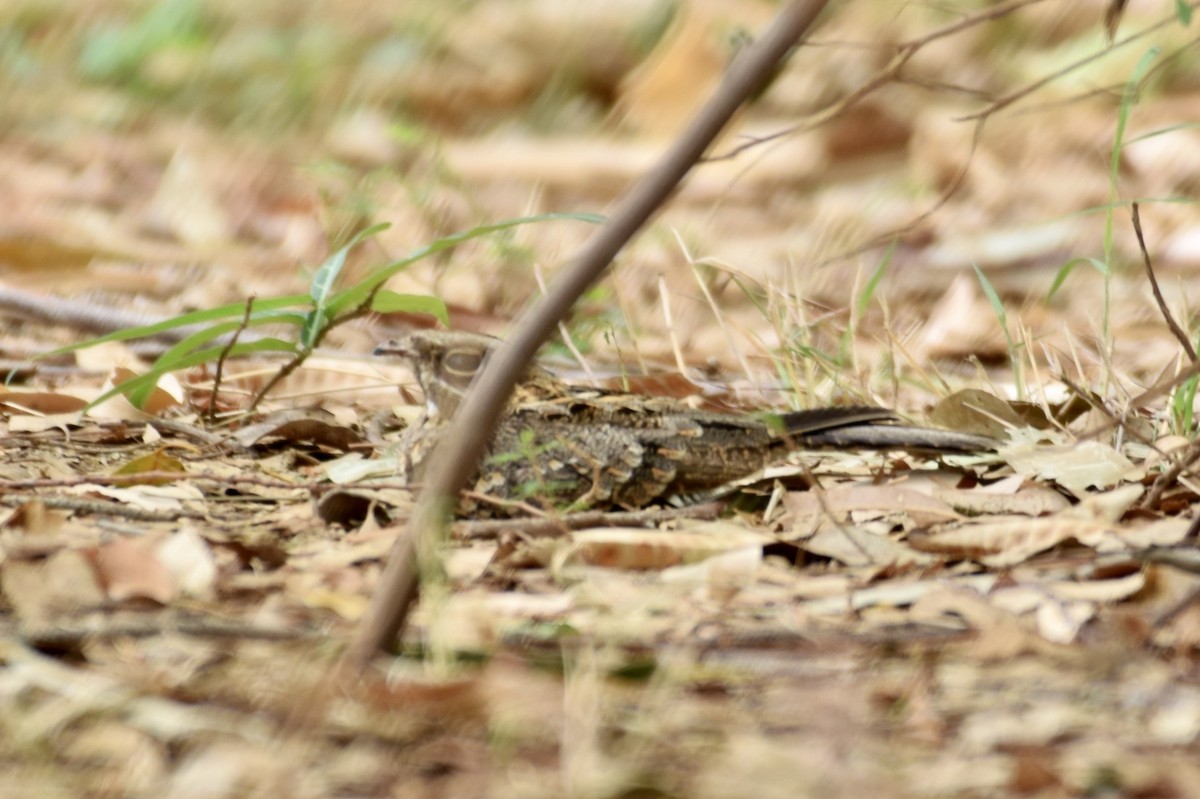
column 322, row 284
column 327, row 273
column 1066, row 269
column 138, row 389
column 392, row 302
column 868, row 292
column 262, row 311
column 993, row 297
column 1183, row 10
column 1161, row 131
column 181, row 350
column 354, row 296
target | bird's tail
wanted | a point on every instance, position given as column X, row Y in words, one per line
column 869, row 427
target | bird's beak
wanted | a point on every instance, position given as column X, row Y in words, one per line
column 393, row 347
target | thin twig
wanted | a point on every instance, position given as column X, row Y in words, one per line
column 1176, row 330
column 459, row 455
column 71, row 633
column 100, row 507
column 1182, row 462
column 890, row 73
column 220, row 369
column 1141, row 400
column 152, row 476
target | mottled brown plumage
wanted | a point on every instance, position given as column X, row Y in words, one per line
column 566, row 446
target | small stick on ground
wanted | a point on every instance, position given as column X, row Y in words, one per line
column 73, row 632
column 220, row 370
column 1176, row 330
column 1183, row 462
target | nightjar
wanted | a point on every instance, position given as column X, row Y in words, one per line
column 570, row 447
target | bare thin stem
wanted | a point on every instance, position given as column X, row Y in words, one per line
column 220, row 370
column 1176, row 330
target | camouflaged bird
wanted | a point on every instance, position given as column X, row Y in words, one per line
column 565, row 446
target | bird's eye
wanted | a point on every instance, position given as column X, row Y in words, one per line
column 462, row 363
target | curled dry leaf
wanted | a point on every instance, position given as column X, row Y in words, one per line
column 1108, row 506
column 38, row 424
column 1102, row 591
column 999, row 542
column 975, row 411
column 1060, row 622
column 131, row 569
column 721, row 574
column 298, row 425
column 1076, row 467
column 855, row 546
column 41, row 403
column 146, row 497
column 1006, row 541
column 1160, row 533
column 896, row 593
column 157, row 461
column 189, row 561
column 35, row 518
column 809, row 509
column 1001, row 635
column 647, row 550
column 62, row 584
column 1030, row 501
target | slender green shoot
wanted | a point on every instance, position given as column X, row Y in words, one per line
column 1014, row 347
column 200, row 333
column 862, row 302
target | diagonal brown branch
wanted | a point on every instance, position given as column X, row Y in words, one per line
column 220, row 370
column 459, row 456
column 1176, row 330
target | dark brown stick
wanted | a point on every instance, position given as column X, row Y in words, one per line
column 1176, row 330
column 220, row 370
column 459, row 455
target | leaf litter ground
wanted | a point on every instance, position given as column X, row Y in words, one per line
column 176, row 592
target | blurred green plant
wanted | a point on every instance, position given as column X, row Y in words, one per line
column 1015, row 348
column 117, row 52
column 217, row 331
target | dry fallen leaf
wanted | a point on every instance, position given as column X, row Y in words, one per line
column 647, row 550
column 131, row 569
column 1003, row 541
column 808, row 510
column 61, row 585
column 1076, row 467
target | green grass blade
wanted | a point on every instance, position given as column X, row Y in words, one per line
column 260, row 313
column 993, row 298
column 354, row 296
column 167, row 360
column 393, row 302
column 321, row 287
column 868, row 292
column 1066, row 269
column 138, row 389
